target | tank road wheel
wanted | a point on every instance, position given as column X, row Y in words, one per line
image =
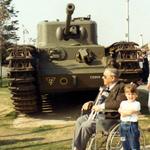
column 23, row 87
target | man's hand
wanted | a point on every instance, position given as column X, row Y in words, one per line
column 97, row 108
column 87, row 105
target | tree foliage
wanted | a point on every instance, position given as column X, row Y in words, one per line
column 8, row 26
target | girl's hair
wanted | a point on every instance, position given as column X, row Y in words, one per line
column 130, row 88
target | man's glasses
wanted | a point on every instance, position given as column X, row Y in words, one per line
column 104, row 76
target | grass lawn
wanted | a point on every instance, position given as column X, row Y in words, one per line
column 42, row 138
column 48, row 137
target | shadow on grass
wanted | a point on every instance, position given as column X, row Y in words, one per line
column 14, row 141
column 5, row 125
column 37, row 130
column 48, row 127
column 39, row 144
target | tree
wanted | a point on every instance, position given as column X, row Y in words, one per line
column 8, row 26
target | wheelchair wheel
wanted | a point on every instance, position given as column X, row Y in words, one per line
column 97, row 142
column 142, row 139
column 114, row 142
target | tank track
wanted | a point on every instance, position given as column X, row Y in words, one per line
column 23, row 80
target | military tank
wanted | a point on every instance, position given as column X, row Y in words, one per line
column 67, row 58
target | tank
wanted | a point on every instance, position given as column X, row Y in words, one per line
column 67, row 58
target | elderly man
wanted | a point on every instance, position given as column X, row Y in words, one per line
column 85, row 127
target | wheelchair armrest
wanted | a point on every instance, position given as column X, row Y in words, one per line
column 111, row 114
column 109, row 110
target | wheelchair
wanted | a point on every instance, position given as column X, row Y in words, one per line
column 111, row 140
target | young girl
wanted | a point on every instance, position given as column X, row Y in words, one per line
column 129, row 110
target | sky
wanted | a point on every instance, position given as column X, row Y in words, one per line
column 110, row 15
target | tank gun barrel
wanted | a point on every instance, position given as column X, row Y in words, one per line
column 69, row 10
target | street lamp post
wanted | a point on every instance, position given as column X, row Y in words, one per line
column 128, row 20
column 25, row 31
column 141, row 35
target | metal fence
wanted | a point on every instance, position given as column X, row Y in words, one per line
column 4, row 82
column 3, row 76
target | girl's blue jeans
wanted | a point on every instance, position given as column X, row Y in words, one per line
column 130, row 135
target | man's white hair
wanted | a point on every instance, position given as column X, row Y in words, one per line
column 112, row 72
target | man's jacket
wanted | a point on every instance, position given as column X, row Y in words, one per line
column 114, row 99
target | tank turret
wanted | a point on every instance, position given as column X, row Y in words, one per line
column 72, row 29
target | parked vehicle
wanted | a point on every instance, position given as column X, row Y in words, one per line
column 67, row 58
